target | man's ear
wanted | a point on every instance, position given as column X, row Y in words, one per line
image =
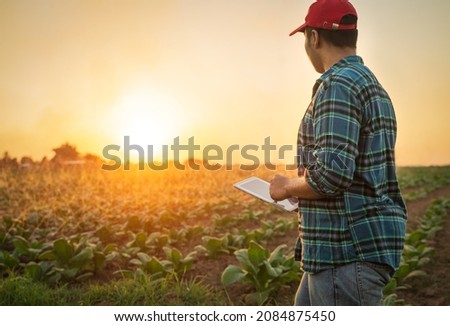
column 315, row 39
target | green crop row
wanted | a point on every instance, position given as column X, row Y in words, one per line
column 265, row 271
column 229, row 243
column 112, row 251
column 417, row 250
column 422, row 180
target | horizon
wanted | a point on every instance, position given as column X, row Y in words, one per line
column 183, row 160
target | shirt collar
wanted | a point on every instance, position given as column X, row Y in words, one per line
column 351, row 59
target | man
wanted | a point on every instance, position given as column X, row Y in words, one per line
column 352, row 217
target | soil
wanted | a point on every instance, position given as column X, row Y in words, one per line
column 433, row 289
column 418, row 207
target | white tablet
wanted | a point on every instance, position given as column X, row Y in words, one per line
column 260, row 189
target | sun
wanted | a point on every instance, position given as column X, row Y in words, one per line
column 148, row 118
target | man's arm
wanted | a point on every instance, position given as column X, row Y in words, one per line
column 282, row 187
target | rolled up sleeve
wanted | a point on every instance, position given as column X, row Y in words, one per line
column 336, row 116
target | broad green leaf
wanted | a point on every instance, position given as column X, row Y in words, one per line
column 257, row 254
column 136, row 262
column 258, row 234
column 70, row 273
column 34, row 271
column 47, row 255
column 84, row 276
column 139, row 273
column 163, row 240
column 423, row 261
column 185, row 264
column 242, row 256
column 46, row 267
column 8, row 260
column 190, row 256
column 391, row 286
column 415, row 237
column 82, row 258
column 258, row 298
column 276, row 256
column 110, row 248
column 53, row 279
column 432, row 232
column 390, row 300
column 144, row 258
column 290, row 263
column 232, row 274
column 124, row 273
column 212, row 243
column 153, row 237
column 99, row 260
column 200, row 249
column 235, row 241
column 154, row 266
column 63, row 250
column 21, row 245
column 271, row 271
column 166, row 264
column 173, row 254
column 402, row 272
column 416, row 273
column 426, row 251
column 141, row 239
column 34, row 251
column 104, row 233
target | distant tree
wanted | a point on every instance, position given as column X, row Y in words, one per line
column 26, row 161
column 7, row 161
column 91, row 158
column 65, row 152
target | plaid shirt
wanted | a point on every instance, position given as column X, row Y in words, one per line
column 346, row 152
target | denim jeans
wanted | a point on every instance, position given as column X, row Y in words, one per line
column 354, row 284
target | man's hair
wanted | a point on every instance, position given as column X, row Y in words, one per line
column 339, row 38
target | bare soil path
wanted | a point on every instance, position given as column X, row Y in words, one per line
column 418, row 207
column 433, row 289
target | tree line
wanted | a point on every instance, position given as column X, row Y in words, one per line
column 66, row 154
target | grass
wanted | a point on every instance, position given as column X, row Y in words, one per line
column 142, row 291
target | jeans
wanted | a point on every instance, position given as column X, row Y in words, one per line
column 354, row 284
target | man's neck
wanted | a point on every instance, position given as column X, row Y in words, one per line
column 334, row 55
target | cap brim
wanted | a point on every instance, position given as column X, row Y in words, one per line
column 300, row 29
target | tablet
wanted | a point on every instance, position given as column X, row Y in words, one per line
column 260, row 188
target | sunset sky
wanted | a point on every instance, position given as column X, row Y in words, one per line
column 225, row 72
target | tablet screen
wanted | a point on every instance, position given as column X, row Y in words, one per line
column 260, row 189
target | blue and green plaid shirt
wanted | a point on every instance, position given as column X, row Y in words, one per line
column 346, row 152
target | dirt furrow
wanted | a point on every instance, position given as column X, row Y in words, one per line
column 417, row 208
column 433, row 289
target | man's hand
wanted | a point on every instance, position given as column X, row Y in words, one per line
column 279, row 187
column 282, row 187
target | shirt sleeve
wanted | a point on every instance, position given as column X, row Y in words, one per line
column 336, row 121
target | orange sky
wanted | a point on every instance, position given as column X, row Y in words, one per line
column 225, row 72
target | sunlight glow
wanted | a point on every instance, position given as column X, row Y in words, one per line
column 148, row 118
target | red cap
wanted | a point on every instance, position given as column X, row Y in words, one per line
column 327, row 14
